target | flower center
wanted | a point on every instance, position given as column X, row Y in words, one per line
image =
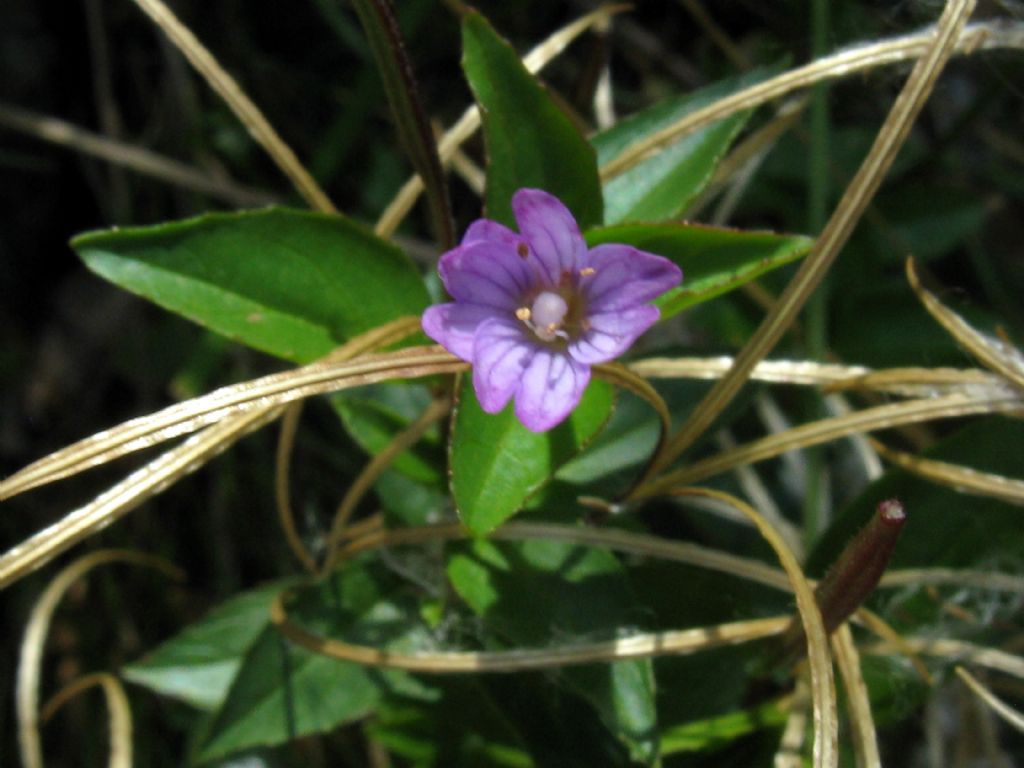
column 546, row 316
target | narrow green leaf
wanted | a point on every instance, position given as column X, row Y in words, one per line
column 198, row 665
column 496, row 463
column 714, row 260
column 530, row 141
column 383, row 33
column 287, row 282
column 536, row 593
column 662, row 186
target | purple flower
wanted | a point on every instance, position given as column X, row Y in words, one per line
column 534, row 310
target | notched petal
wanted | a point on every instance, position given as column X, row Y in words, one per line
column 627, row 277
column 501, row 352
column 610, row 334
column 487, row 272
column 551, row 387
column 485, row 230
column 551, row 231
column 453, row 326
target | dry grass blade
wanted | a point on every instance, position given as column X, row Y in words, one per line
column 282, row 486
column 404, row 440
column 34, row 640
column 906, row 382
column 800, row 372
column 620, row 541
column 639, row 646
column 126, row 495
column 997, row 705
column 120, row 713
column 927, row 382
column 825, row 430
column 468, row 124
column 794, row 734
column 245, row 110
column 845, row 63
column 189, row 416
column 628, row 379
column 742, row 162
column 134, row 158
column 953, row 577
column 379, row 337
column 823, row 692
column 865, row 738
column 960, row 651
column 887, row 632
column 646, row 545
column 833, row 237
column 991, row 352
column 959, row 478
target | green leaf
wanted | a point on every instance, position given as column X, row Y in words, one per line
column 530, row 141
column 714, row 260
column 407, row 502
column 717, row 732
column 496, row 463
column 926, row 219
column 198, row 665
column 537, row 593
column 662, row 186
column 287, row 282
column 374, row 415
column 283, row 691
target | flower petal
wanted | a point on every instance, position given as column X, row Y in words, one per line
column 551, row 231
column 491, row 231
column 453, row 326
column 625, row 277
column 487, row 272
column 501, row 352
column 612, row 333
column 551, row 388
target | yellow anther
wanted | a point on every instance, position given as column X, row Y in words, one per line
column 587, row 271
column 523, row 313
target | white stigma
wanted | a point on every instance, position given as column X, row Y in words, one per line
column 546, row 315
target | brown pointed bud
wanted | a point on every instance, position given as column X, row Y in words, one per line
column 855, row 573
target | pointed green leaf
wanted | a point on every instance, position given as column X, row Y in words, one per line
column 198, row 665
column 287, row 282
column 496, row 463
column 530, row 141
column 282, row 691
column 662, row 186
column 714, row 260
